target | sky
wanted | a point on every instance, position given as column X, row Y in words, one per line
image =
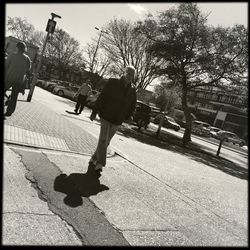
column 80, row 19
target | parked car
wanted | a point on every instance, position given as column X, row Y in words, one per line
column 168, row 122
column 68, row 92
column 55, row 83
column 142, row 114
column 213, row 132
column 182, row 123
column 91, row 99
column 50, row 86
column 41, row 83
column 231, row 137
column 201, row 128
column 154, row 112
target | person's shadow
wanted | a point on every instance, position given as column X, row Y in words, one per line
column 78, row 185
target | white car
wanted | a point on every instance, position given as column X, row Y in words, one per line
column 231, row 137
column 68, row 92
column 213, row 132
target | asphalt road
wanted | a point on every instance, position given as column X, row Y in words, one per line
column 228, row 150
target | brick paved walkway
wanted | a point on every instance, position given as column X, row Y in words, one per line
column 36, row 117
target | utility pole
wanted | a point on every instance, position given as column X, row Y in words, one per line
column 50, row 30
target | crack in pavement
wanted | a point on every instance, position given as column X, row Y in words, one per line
column 88, row 221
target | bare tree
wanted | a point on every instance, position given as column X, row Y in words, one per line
column 194, row 54
column 23, row 30
column 98, row 64
column 125, row 45
column 64, row 51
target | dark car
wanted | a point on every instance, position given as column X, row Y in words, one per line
column 201, row 128
column 142, row 114
column 168, row 122
column 54, row 83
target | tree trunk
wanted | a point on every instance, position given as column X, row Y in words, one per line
column 187, row 133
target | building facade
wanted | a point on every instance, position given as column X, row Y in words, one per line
column 10, row 45
column 221, row 109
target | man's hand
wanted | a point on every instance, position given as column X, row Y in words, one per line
column 130, row 119
column 92, row 116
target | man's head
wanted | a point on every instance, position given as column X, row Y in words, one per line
column 129, row 74
column 21, row 46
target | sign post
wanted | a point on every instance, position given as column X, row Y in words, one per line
column 50, row 28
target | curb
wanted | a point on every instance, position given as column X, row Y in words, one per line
column 113, row 153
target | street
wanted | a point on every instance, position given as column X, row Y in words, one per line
column 152, row 194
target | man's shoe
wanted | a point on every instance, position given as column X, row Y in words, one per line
column 98, row 167
column 7, row 114
column 92, row 162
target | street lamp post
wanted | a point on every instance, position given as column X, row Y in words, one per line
column 50, row 29
column 97, row 46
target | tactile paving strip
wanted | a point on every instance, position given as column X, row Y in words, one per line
column 27, row 137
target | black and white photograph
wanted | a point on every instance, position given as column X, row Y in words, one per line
column 125, row 124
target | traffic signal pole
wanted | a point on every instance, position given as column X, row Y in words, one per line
column 50, row 29
column 34, row 79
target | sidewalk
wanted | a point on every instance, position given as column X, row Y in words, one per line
column 36, row 125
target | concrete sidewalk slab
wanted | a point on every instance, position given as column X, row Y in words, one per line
column 79, row 212
column 141, row 205
column 26, row 219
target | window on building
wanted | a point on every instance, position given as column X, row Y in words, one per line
column 209, row 96
column 214, row 97
column 200, row 95
column 223, row 98
column 191, row 93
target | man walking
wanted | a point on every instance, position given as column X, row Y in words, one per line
column 17, row 66
column 82, row 95
column 115, row 104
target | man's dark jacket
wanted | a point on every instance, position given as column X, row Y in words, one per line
column 116, row 103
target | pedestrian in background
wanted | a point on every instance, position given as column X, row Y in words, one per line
column 115, row 104
column 17, row 66
column 82, row 95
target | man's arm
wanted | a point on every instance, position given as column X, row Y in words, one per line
column 132, row 106
column 8, row 61
column 100, row 100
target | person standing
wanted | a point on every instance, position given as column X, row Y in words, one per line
column 17, row 66
column 82, row 95
column 115, row 104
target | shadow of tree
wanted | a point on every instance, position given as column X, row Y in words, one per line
column 78, row 185
column 194, row 151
